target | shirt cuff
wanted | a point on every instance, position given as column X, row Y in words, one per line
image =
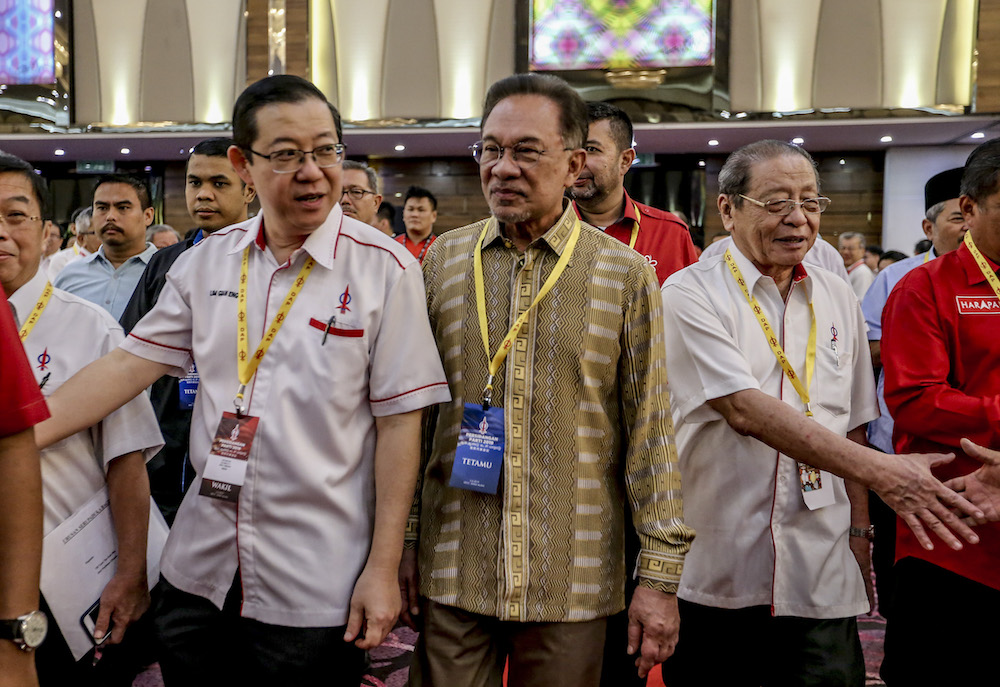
column 660, row 571
column 412, row 533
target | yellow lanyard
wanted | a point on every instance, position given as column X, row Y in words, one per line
column 508, row 340
column 635, row 227
column 984, row 266
column 772, row 340
column 36, row 312
column 927, row 256
column 246, row 365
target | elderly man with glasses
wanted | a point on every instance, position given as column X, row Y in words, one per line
column 771, row 387
column 360, row 197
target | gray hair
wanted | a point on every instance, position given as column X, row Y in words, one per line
column 853, row 235
column 160, row 229
column 734, row 178
column 84, row 218
column 934, row 211
column 982, row 170
column 373, row 180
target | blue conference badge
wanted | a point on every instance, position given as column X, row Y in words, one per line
column 479, row 456
column 188, row 388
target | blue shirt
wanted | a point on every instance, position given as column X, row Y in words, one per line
column 880, row 430
column 95, row 279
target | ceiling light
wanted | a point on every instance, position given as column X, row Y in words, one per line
column 886, row 139
column 148, row 168
column 798, row 140
column 978, row 134
column 701, row 163
column 713, row 142
column 843, row 161
column 59, row 151
column 400, row 148
column 125, row 151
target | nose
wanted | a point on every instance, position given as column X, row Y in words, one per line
column 309, row 168
column 505, row 167
column 797, row 217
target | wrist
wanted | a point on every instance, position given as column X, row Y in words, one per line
column 862, row 532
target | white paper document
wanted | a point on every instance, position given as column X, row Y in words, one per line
column 79, row 558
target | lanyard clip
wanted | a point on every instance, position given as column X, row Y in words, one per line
column 238, row 400
column 809, row 410
column 488, row 393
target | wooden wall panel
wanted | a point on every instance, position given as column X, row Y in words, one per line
column 988, row 44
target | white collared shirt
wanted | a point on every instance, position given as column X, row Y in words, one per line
column 70, row 334
column 301, row 531
column 757, row 543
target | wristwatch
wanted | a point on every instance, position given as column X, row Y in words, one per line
column 27, row 631
column 866, row 533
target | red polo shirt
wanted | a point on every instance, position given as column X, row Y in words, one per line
column 940, row 334
column 21, row 403
column 663, row 238
column 417, row 249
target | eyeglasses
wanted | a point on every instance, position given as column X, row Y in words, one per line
column 291, row 159
column 16, row 219
column 356, row 193
column 786, row 206
column 524, row 156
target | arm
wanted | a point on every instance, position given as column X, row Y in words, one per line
column 95, row 391
column 652, row 480
column 918, row 388
column 904, row 482
column 876, row 349
column 409, row 576
column 861, row 547
column 126, row 596
column 21, row 540
column 375, row 603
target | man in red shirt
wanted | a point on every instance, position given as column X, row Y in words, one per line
column 600, row 198
column 21, row 407
column 419, row 215
column 940, row 329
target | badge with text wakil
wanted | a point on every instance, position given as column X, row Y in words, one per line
column 817, row 487
column 479, row 456
column 226, row 468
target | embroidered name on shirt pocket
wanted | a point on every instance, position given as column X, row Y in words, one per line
column 333, row 330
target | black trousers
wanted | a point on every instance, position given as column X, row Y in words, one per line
column 619, row 668
column 942, row 630
column 201, row 645
column 747, row 647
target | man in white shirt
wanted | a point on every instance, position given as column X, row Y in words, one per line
column 84, row 243
column 282, row 562
column 772, row 581
column 852, row 250
column 61, row 334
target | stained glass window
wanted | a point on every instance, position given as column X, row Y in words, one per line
column 26, row 46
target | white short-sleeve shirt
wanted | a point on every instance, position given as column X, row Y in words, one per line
column 302, row 529
column 758, row 544
column 70, row 334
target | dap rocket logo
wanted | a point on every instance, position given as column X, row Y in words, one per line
column 43, row 360
column 345, row 299
column 484, row 426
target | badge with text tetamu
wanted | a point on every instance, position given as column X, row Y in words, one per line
column 479, row 456
column 187, row 388
column 226, row 468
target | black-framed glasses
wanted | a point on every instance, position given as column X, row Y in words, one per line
column 356, row 193
column 291, row 159
column 521, row 154
column 786, row 206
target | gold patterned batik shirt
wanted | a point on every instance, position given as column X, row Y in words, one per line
column 587, row 423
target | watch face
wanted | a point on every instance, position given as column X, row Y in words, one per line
column 34, row 626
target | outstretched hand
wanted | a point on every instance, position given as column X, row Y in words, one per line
column 981, row 487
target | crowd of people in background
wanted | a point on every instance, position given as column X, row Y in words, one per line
column 559, row 442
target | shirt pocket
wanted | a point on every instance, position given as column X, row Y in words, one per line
column 832, row 384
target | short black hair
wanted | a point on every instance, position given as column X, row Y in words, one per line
column 139, row 185
column 621, row 125
column 280, row 88
column 893, row 255
column 573, row 124
column 15, row 165
column 981, row 171
column 420, row 192
column 213, row 147
column 387, row 211
column 875, row 250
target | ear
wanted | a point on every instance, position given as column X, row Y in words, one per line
column 249, row 193
column 928, row 228
column 148, row 214
column 968, row 208
column 577, row 160
column 240, row 164
column 726, row 211
column 378, row 202
column 626, row 160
